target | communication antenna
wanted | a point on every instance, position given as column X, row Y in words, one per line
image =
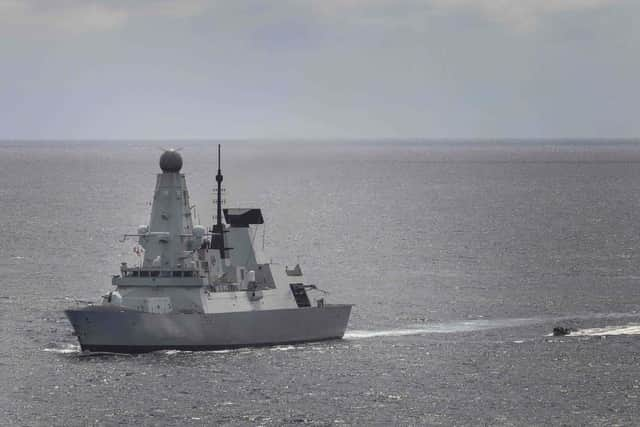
column 219, row 179
column 218, row 229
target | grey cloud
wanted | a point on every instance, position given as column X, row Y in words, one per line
column 77, row 16
column 325, row 68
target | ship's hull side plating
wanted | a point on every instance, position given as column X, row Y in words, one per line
column 105, row 329
column 203, row 288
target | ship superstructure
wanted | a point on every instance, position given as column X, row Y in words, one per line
column 197, row 288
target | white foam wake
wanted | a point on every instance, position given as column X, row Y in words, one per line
column 443, row 328
column 64, row 349
column 611, row 330
column 387, row 333
column 486, row 324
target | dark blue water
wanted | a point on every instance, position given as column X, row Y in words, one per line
column 459, row 256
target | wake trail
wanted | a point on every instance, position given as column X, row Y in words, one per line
column 487, row 324
column 445, row 328
column 631, row 329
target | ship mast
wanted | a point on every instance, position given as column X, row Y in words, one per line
column 218, row 229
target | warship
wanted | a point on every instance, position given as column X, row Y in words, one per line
column 203, row 289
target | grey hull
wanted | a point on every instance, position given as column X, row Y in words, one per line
column 112, row 329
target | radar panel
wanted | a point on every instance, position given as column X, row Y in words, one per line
column 237, row 217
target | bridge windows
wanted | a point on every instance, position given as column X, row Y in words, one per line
column 158, row 273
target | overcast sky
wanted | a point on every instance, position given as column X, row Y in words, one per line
column 104, row 69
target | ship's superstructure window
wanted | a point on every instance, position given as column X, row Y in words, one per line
column 156, row 273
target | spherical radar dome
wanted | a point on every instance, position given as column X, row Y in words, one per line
column 170, row 161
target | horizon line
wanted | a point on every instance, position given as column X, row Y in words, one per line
column 334, row 140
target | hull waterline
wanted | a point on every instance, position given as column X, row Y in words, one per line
column 111, row 329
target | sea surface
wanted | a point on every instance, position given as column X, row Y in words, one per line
column 460, row 258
